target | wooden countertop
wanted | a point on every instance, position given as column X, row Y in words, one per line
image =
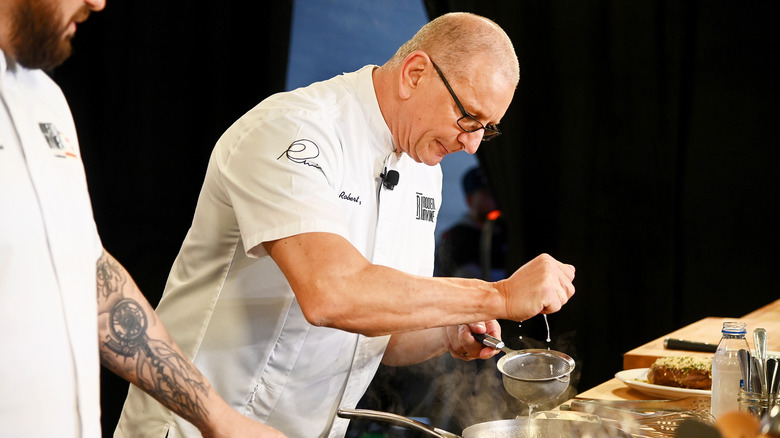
column 705, row 330
column 614, row 389
column 708, row 330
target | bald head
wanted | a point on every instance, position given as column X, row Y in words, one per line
column 461, row 41
column 425, row 112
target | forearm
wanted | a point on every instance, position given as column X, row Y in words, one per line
column 410, row 348
column 390, row 301
column 337, row 287
column 414, row 347
column 135, row 345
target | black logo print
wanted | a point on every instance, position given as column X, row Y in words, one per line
column 301, row 151
column 426, row 208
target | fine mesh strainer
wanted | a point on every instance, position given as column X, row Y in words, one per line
column 535, row 376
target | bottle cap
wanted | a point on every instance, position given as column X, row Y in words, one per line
column 734, row 328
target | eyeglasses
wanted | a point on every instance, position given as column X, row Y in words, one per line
column 468, row 123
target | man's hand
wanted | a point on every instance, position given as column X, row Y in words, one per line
column 461, row 343
column 542, row 285
column 231, row 424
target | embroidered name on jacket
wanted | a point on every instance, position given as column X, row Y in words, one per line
column 350, row 197
column 426, row 208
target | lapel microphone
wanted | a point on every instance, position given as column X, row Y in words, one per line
column 389, row 178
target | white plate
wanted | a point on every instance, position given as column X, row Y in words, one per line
column 637, row 379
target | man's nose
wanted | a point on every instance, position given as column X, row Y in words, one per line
column 471, row 141
column 95, row 5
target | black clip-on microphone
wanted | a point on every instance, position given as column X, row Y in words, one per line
column 390, row 178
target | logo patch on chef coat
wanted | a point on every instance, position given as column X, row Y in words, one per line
column 59, row 146
column 426, row 208
column 302, row 151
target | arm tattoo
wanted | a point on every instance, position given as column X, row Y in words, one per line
column 128, row 325
column 109, row 278
column 127, row 350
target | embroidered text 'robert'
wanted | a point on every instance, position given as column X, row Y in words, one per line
column 349, row 197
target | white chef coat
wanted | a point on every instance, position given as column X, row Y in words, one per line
column 299, row 162
column 50, row 376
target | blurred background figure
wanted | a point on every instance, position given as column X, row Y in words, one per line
column 475, row 247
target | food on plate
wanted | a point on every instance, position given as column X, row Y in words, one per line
column 682, row 372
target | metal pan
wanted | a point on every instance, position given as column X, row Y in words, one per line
column 514, row 428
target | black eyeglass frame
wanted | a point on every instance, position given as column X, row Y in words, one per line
column 491, row 131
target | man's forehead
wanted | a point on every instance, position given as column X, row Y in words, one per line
column 486, row 95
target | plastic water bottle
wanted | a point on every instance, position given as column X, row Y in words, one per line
column 726, row 374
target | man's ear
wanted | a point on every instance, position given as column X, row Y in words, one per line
column 413, row 71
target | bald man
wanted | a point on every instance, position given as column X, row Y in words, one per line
column 310, row 255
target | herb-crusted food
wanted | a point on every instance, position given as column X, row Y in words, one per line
column 682, row 372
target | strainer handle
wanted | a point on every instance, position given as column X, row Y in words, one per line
column 489, row 341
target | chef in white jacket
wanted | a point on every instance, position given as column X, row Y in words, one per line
column 310, row 254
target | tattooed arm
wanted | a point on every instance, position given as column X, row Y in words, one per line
column 135, row 345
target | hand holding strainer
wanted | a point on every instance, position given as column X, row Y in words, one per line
column 533, row 376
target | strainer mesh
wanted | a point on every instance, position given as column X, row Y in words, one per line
column 537, row 366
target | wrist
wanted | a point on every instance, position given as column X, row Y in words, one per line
column 216, row 418
column 499, row 299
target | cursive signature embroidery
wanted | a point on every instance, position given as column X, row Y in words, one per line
column 301, row 151
column 349, row 197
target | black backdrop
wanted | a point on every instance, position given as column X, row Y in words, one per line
column 641, row 147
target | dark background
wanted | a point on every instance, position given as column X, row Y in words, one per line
column 641, row 147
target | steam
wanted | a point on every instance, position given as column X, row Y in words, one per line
column 452, row 394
